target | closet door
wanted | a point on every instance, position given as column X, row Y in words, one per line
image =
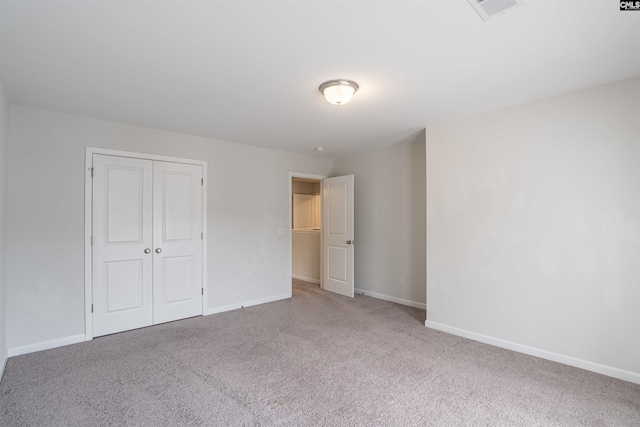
column 177, row 239
column 122, row 241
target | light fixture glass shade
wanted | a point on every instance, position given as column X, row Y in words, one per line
column 338, row 92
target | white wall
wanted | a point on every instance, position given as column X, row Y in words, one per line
column 4, row 143
column 533, row 228
column 389, row 221
column 248, row 200
column 305, row 254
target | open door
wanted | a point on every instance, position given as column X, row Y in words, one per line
column 337, row 235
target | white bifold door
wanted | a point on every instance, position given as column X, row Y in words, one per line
column 147, row 242
column 338, row 234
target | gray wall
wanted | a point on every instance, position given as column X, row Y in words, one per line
column 248, row 200
column 533, row 228
column 4, row 143
column 390, row 220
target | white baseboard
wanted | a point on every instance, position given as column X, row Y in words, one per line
column 46, row 345
column 543, row 354
column 392, row 299
column 3, row 362
column 230, row 307
column 306, row 279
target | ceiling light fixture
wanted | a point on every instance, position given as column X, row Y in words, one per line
column 338, row 92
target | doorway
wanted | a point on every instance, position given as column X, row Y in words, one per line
column 328, row 219
column 306, row 229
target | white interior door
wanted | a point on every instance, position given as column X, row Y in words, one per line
column 177, row 239
column 122, row 231
column 337, row 237
column 147, row 242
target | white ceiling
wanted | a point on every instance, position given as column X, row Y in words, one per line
column 248, row 72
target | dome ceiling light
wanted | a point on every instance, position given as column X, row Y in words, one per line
column 338, row 92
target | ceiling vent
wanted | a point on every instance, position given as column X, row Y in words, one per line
column 489, row 9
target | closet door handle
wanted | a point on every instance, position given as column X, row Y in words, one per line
column 158, row 250
column 147, row 251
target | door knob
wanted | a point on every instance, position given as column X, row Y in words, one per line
column 348, row 242
column 158, row 250
column 147, row 251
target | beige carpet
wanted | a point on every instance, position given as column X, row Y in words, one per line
column 317, row 359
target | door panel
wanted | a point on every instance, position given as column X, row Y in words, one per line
column 124, row 213
column 124, row 284
column 174, row 272
column 337, row 202
column 122, row 272
column 177, row 199
column 178, row 206
column 337, row 268
column 337, row 198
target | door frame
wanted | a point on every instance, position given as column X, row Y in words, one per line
column 88, row 223
column 290, row 272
